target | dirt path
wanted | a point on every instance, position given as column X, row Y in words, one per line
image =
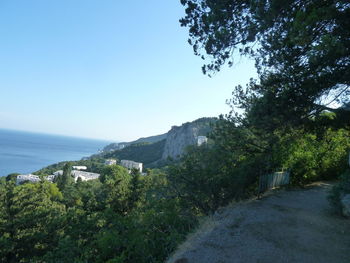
column 284, row 226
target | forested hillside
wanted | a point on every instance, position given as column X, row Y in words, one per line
column 294, row 117
column 120, row 218
column 120, row 145
column 146, row 153
column 153, row 152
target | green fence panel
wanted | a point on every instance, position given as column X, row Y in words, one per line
column 270, row 181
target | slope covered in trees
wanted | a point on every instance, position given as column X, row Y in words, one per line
column 120, row 218
column 301, row 49
column 173, row 146
column 151, row 139
column 146, row 153
column 287, row 122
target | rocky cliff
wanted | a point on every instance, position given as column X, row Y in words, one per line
column 156, row 150
column 179, row 137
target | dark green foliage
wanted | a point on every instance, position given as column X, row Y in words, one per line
column 127, row 217
column 121, row 218
column 211, row 176
column 151, row 154
column 66, row 179
column 116, row 188
column 301, row 49
column 150, row 150
column 339, row 190
column 95, row 165
column 151, row 139
column 11, row 177
column 135, row 188
column 30, row 221
column 302, row 57
column 145, row 153
column 163, row 226
column 312, row 157
column 200, row 180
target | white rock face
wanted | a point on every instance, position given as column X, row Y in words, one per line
column 179, row 137
column 346, row 205
column 177, row 140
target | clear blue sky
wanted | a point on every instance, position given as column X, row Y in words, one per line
column 108, row 69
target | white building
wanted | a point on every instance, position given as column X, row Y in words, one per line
column 131, row 164
column 79, row 167
column 27, row 177
column 201, row 140
column 50, row 178
column 110, row 162
column 84, row 176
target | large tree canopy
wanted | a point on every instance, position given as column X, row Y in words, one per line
column 301, row 49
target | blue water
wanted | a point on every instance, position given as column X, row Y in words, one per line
column 25, row 152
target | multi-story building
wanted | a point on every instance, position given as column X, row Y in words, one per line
column 131, row 165
column 27, row 177
column 84, row 176
column 77, row 167
column 110, row 162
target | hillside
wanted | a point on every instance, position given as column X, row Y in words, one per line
column 287, row 226
column 153, row 151
column 146, row 153
column 121, row 145
column 179, row 137
column 156, row 150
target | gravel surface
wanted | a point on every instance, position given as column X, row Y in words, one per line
column 283, row 226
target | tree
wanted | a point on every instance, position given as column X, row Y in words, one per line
column 301, row 49
column 30, row 221
column 116, row 187
column 210, row 177
column 314, row 156
column 135, row 188
column 66, row 178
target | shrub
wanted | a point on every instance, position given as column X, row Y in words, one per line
column 311, row 157
column 339, row 190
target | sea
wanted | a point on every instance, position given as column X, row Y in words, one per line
column 27, row 152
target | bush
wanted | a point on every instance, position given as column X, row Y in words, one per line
column 339, row 190
column 207, row 179
column 312, row 157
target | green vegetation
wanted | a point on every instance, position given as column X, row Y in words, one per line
column 151, row 139
column 211, row 176
column 31, row 220
column 151, row 153
column 339, row 191
column 66, row 179
column 126, row 217
column 94, row 164
column 120, row 218
column 146, row 153
column 301, row 50
column 202, row 125
column 285, row 122
column 312, row 157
